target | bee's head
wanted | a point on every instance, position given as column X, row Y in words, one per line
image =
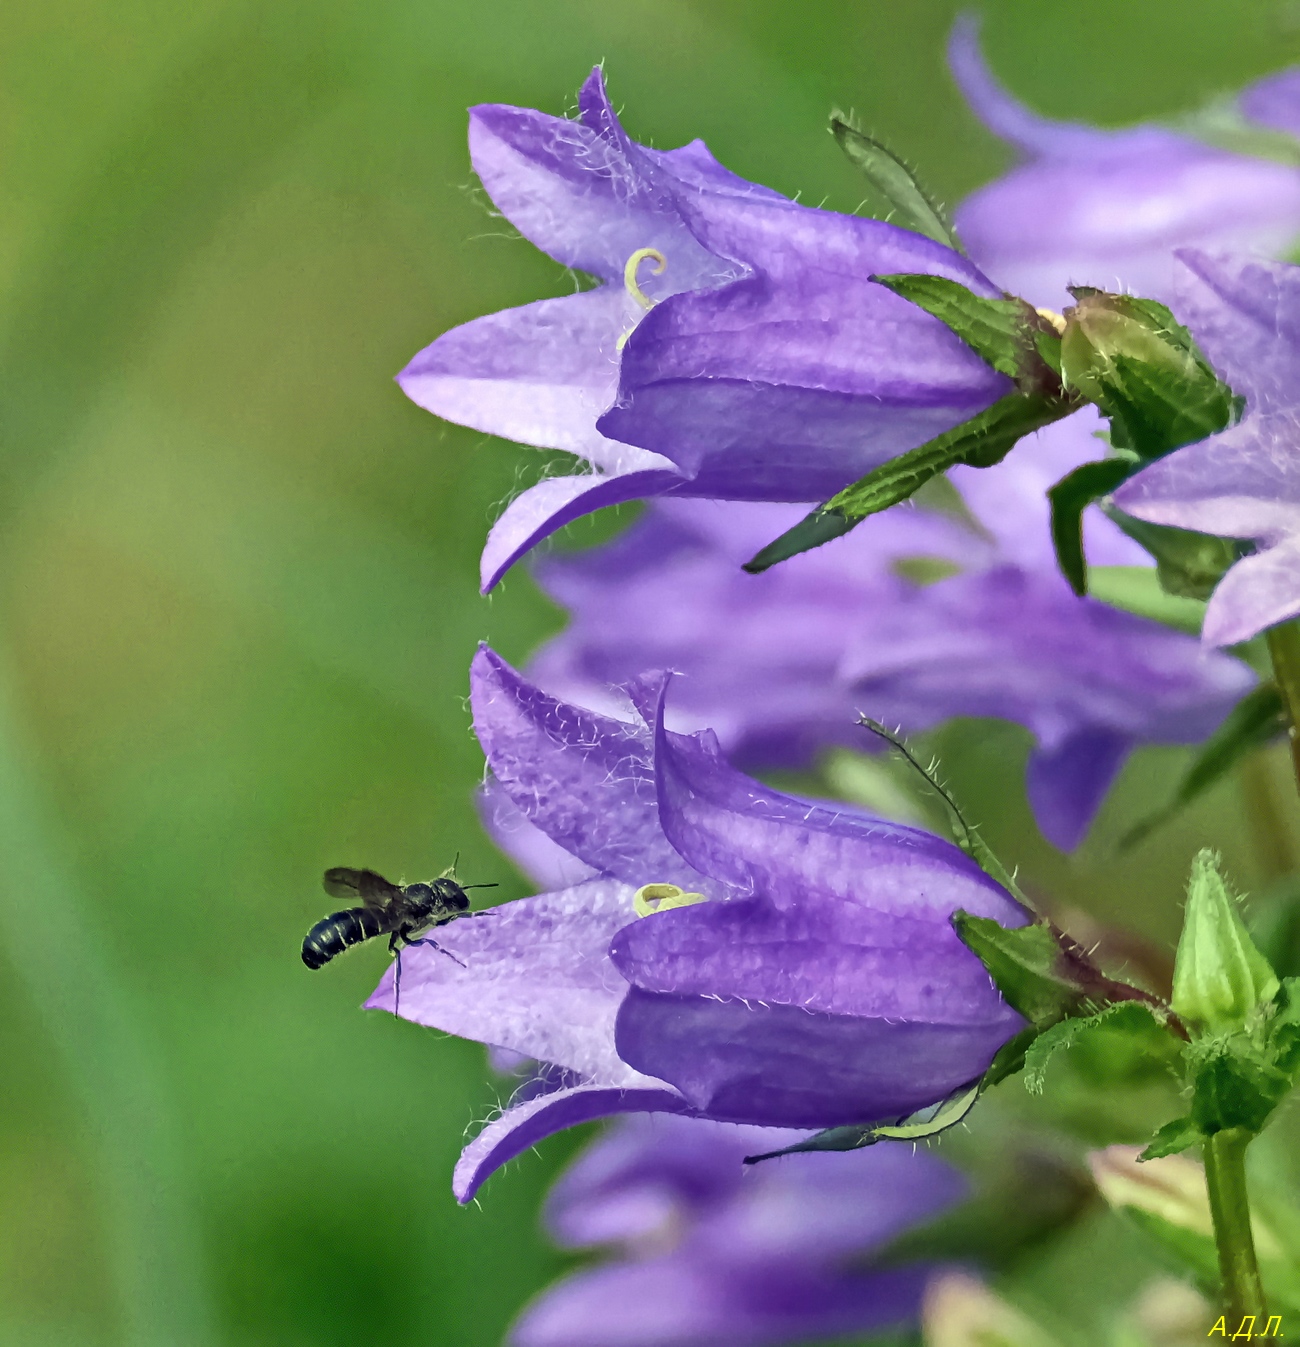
column 447, row 894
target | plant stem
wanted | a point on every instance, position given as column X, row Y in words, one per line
column 1284, row 650
column 1225, row 1179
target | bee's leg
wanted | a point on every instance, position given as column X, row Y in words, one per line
column 395, row 949
column 427, row 940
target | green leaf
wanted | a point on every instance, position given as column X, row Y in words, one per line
column 1189, row 564
column 982, row 441
column 1003, row 332
column 1137, row 589
column 1172, row 1138
column 915, row 209
column 1256, row 720
column 1069, row 498
column 1121, row 1015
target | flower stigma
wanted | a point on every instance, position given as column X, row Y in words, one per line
column 630, row 269
column 652, row 898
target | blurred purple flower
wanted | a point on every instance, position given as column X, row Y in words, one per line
column 1108, row 207
column 768, row 365
column 779, row 663
column 1245, row 482
column 818, row 983
column 706, row 1254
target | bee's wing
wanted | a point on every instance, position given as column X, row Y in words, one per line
column 373, row 889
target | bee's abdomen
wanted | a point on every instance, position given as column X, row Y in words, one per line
column 333, row 934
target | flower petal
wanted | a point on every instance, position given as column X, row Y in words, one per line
column 1275, row 101
column 761, row 841
column 540, row 374
column 585, row 197
column 555, row 502
column 546, row 863
column 1256, row 593
column 1067, row 784
column 533, row 976
column 525, row 1125
column 783, row 1066
column 585, row 780
column 683, row 1300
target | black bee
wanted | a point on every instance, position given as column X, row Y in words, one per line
column 398, row 911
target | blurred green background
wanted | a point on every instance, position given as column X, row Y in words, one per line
column 238, row 598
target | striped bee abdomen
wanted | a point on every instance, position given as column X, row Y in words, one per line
column 333, row 934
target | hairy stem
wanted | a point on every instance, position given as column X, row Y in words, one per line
column 1225, row 1178
column 1284, row 650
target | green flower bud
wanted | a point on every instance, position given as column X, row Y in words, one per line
column 1220, row 979
column 1143, row 370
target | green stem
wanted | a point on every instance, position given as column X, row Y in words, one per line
column 1225, row 1178
column 1284, row 650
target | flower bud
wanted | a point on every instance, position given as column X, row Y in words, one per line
column 1142, row 368
column 1220, row 979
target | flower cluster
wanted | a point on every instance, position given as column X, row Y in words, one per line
column 701, row 1252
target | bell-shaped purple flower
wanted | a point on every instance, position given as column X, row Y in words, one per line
column 736, row 347
column 779, row 664
column 1245, row 482
column 815, row 981
column 701, row 1253
column 1108, row 207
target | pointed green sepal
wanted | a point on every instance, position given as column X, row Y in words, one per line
column 1189, row 564
column 1006, row 333
column 1133, row 359
column 1221, row 981
column 912, row 206
column 982, row 441
column 918, row 1126
column 1256, row 720
column 1069, row 498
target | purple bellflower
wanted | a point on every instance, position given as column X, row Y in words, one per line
column 813, row 981
column 705, row 1254
column 779, row 664
column 1244, row 482
column 1108, row 207
column 735, row 348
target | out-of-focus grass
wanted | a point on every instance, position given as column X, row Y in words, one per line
column 238, row 597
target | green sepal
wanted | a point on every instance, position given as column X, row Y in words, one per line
column 1142, row 368
column 1255, row 721
column 918, row 1126
column 1025, row 964
column 1069, row 498
column 1172, row 1138
column 1284, row 1029
column 1189, row 564
column 1005, row 333
column 1137, row 589
column 1133, row 1015
column 885, row 171
column 982, row 441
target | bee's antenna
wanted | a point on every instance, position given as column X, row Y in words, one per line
column 480, row 886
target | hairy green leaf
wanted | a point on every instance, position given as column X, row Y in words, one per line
column 914, row 208
column 1124, row 1015
column 1172, row 1138
column 1003, row 332
column 982, row 441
